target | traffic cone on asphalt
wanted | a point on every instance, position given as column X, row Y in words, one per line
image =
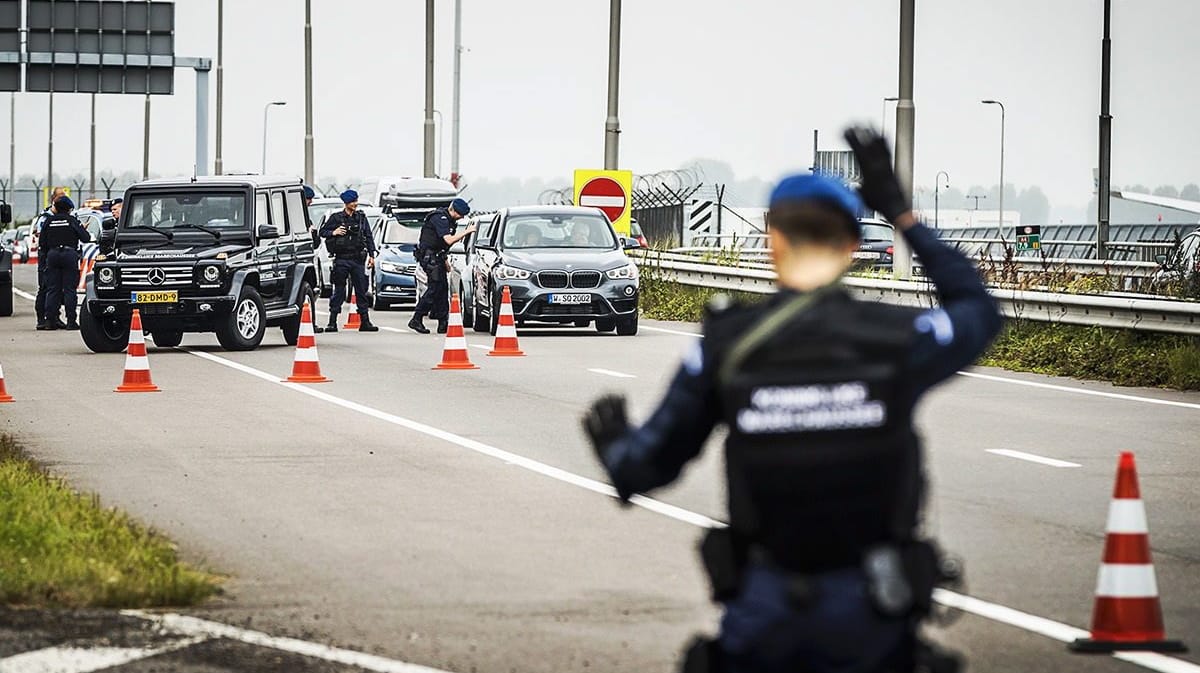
column 353, row 321
column 1127, row 614
column 506, row 329
column 137, row 365
column 454, row 354
column 4, row 396
column 306, row 366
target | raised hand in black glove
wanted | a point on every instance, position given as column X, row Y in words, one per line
column 880, row 189
column 605, row 422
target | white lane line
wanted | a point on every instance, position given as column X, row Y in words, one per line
column 1080, row 391
column 208, row 629
column 609, row 372
column 669, row 331
column 1055, row 630
column 1033, row 458
column 481, row 346
column 24, row 295
column 479, row 447
column 85, row 660
column 975, row 606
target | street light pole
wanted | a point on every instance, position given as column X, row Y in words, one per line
column 612, row 124
column 440, row 137
column 219, row 166
column 937, row 182
column 50, row 147
column 267, row 108
column 454, row 113
column 428, row 88
column 146, row 142
column 905, row 130
column 1105, row 169
column 996, row 102
column 92, row 163
column 308, row 94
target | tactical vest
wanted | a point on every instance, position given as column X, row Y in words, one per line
column 821, row 458
column 430, row 241
column 352, row 243
column 57, row 230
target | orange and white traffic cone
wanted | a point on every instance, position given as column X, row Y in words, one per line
column 85, row 267
column 454, row 354
column 306, row 366
column 137, row 365
column 352, row 320
column 4, row 396
column 506, row 329
column 1127, row 614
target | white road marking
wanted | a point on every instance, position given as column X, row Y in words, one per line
column 85, row 660
column 481, row 346
column 207, row 629
column 669, row 331
column 1080, row 391
column 1033, row 458
column 975, row 606
column 24, row 295
column 609, row 372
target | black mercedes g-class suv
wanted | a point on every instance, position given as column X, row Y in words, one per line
column 226, row 254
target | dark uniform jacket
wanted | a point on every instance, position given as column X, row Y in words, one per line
column 820, row 441
column 358, row 239
column 62, row 230
column 437, row 226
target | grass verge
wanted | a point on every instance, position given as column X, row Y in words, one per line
column 59, row 548
column 1119, row 356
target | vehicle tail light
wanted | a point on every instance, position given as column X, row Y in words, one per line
column 890, row 250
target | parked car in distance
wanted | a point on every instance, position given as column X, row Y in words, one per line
column 635, row 232
column 562, row 264
column 876, row 247
column 1178, row 265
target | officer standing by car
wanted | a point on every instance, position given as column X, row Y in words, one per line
column 438, row 234
column 821, row 568
column 348, row 238
column 39, row 300
column 61, row 235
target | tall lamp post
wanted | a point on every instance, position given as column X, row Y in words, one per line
column 612, row 123
column 219, row 165
column 1001, row 223
column 437, row 114
column 937, row 184
column 266, row 109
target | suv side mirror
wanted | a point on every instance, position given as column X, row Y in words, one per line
column 5, row 213
column 1161, row 259
column 108, row 224
column 630, row 243
column 266, row 231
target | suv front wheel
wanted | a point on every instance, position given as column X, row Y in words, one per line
column 103, row 335
column 243, row 328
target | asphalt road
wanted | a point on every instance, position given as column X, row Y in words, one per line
column 449, row 518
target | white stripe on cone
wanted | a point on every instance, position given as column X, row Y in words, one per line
column 136, row 337
column 306, row 355
column 306, row 329
column 456, row 344
column 1127, row 516
column 506, row 308
column 506, row 331
column 137, row 363
column 1118, row 580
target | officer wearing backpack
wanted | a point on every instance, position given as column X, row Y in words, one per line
column 348, row 238
column 821, row 568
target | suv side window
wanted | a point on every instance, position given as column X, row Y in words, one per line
column 295, row 211
column 261, row 210
column 277, row 212
column 487, row 230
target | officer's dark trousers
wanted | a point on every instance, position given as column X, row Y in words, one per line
column 356, row 271
column 39, row 301
column 435, row 303
column 62, row 277
column 762, row 630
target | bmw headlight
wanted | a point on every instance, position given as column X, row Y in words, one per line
column 105, row 275
column 391, row 267
column 627, row 272
column 504, row 272
column 211, row 274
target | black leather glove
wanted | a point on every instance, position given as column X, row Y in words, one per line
column 605, row 422
column 880, row 189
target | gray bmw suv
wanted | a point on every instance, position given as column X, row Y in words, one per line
column 562, row 264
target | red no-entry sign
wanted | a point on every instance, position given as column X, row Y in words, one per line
column 606, row 194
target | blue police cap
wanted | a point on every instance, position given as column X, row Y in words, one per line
column 64, row 203
column 461, row 207
column 812, row 187
column 309, row 193
column 349, row 196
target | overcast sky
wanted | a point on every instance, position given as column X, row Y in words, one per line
column 743, row 82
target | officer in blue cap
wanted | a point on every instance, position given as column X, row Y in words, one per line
column 348, row 238
column 59, row 243
column 438, row 234
column 821, row 568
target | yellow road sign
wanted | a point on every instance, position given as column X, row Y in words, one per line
column 610, row 191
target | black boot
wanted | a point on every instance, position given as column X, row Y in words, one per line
column 42, row 326
column 332, row 326
column 417, row 325
column 71, row 324
column 443, row 325
column 365, row 323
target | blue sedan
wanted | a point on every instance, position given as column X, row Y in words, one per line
column 392, row 279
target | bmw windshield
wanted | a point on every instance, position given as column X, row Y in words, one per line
column 575, row 231
column 167, row 212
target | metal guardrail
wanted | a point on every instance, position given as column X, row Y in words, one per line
column 1135, row 312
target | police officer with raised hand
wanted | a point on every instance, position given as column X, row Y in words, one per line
column 39, row 300
column 348, row 238
column 61, row 235
column 821, row 568
column 438, row 234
